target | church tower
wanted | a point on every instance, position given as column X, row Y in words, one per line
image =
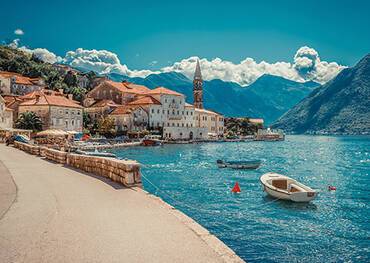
column 198, row 87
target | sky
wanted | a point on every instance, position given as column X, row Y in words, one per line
column 152, row 36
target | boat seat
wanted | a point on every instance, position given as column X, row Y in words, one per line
column 295, row 188
column 280, row 183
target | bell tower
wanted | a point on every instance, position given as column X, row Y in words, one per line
column 198, row 87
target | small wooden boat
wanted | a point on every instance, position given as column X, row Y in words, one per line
column 253, row 164
column 151, row 142
column 286, row 188
column 97, row 153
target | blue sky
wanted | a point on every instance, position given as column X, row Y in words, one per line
column 141, row 32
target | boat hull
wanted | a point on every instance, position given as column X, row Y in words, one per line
column 306, row 194
column 239, row 165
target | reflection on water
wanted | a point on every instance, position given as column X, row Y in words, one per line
column 333, row 228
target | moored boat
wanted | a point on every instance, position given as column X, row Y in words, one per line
column 253, row 164
column 286, row 188
column 151, row 142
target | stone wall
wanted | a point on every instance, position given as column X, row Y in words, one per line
column 126, row 172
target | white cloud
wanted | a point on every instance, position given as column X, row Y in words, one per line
column 19, row 32
column 101, row 61
column 14, row 43
column 306, row 66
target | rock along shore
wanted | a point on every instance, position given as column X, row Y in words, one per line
column 64, row 212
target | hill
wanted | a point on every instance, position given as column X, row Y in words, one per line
column 342, row 106
column 268, row 97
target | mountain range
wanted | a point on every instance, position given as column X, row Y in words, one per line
column 341, row 106
column 268, row 97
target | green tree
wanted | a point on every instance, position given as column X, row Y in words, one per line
column 29, row 121
column 106, row 127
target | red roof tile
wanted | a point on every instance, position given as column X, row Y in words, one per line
column 126, row 87
column 123, row 110
column 51, row 100
column 147, row 100
column 163, row 90
column 103, row 103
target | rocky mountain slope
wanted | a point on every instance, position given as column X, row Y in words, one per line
column 268, row 97
column 342, row 106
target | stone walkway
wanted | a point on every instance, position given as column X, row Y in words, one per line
column 62, row 215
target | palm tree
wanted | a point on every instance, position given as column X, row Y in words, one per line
column 29, row 121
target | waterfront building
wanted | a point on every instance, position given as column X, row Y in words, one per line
column 12, row 102
column 16, row 84
column 101, row 108
column 212, row 121
column 6, row 115
column 55, row 110
column 119, row 92
column 156, row 112
column 130, row 118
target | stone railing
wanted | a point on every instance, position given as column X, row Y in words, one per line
column 126, row 172
column 29, row 148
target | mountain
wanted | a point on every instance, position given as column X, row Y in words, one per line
column 342, row 106
column 268, row 97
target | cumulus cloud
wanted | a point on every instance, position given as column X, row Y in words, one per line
column 19, row 32
column 101, row 61
column 306, row 65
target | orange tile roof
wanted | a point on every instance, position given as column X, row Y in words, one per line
column 126, row 87
column 123, row 110
column 103, row 103
column 51, row 100
column 163, row 91
column 147, row 100
column 19, row 79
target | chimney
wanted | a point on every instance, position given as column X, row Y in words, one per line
column 70, row 96
column 61, row 91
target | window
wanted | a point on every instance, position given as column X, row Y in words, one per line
column 66, row 112
column 178, row 112
column 168, row 112
column 187, row 113
column 191, row 113
column 173, row 124
column 73, row 123
column 162, row 111
column 173, row 100
column 182, row 124
column 178, row 124
column 78, row 112
column 152, row 110
column 158, row 111
column 182, row 112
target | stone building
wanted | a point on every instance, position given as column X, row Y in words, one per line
column 101, row 108
column 16, row 84
column 156, row 113
column 119, row 92
column 55, row 110
column 130, row 118
column 212, row 121
column 6, row 115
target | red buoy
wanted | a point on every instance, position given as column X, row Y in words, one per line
column 332, row 188
column 236, row 188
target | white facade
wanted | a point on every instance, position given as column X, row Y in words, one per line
column 212, row 121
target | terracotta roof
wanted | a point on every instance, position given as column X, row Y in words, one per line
column 11, row 99
column 123, row 110
column 103, row 103
column 147, row 100
column 126, row 87
column 52, row 100
column 189, row 105
column 19, row 79
column 163, row 91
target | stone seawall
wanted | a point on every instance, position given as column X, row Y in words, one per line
column 125, row 172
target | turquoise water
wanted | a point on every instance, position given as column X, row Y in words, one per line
column 335, row 227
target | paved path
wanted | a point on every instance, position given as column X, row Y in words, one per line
column 61, row 215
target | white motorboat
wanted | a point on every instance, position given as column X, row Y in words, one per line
column 286, row 188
